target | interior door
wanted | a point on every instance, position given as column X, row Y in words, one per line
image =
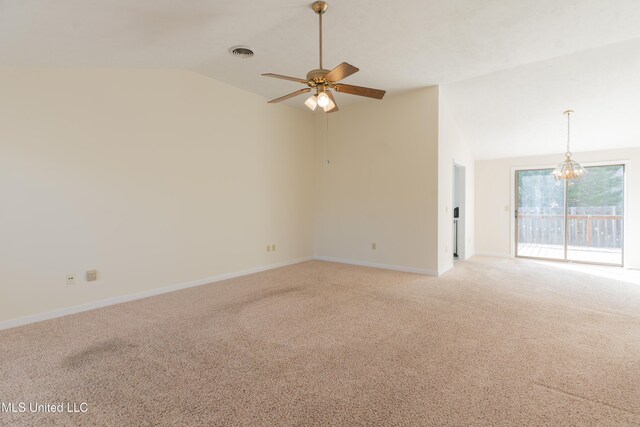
column 540, row 215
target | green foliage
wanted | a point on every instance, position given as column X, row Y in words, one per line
column 600, row 186
column 538, row 189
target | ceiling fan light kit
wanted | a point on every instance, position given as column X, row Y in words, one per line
column 322, row 82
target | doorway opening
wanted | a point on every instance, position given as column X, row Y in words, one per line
column 571, row 221
column 459, row 214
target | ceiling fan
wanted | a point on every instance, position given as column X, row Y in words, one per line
column 321, row 81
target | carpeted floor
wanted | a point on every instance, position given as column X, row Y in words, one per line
column 493, row 342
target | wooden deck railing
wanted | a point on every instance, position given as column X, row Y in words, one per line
column 586, row 227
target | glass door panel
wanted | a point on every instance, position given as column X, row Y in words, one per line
column 540, row 219
column 595, row 216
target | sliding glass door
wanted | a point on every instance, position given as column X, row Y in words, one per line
column 540, row 219
column 579, row 221
column 595, row 216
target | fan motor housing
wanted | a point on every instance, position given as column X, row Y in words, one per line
column 317, row 75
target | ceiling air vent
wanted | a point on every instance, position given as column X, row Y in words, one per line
column 243, row 52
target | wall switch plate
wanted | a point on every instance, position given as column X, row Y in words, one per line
column 91, row 275
column 268, row 248
column 374, row 246
column 273, row 248
column 71, row 279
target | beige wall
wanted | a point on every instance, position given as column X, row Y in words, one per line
column 154, row 178
column 494, row 207
column 158, row 178
column 381, row 183
column 452, row 149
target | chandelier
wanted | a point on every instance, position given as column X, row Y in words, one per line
column 568, row 169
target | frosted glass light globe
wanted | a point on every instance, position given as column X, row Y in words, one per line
column 323, row 99
column 311, row 102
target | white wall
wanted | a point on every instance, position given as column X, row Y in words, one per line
column 494, row 209
column 381, row 184
column 153, row 178
column 452, row 149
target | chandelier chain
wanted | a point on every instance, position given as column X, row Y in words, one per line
column 568, row 132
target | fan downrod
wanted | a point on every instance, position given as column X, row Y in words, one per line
column 319, row 7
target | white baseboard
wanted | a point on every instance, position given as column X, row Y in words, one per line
column 12, row 323
column 493, row 254
column 445, row 269
column 376, row 265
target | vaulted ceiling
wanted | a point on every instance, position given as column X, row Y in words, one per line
column 398, row 45
column 518, row 111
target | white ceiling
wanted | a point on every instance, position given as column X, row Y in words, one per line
column 398, row 45
column 519, row 111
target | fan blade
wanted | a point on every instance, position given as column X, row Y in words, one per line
column 335, row 104
column 291, row 95
column 280, row 76
column 360, row 91
column 342, row 71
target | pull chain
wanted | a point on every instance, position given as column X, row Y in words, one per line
column 327, row 139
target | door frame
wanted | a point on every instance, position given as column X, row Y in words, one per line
column 462, row 225
column 512, row 210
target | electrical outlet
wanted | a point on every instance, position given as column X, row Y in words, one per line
column 91, row 275
column 71, row 279
column 374, row 246
column 273, row 248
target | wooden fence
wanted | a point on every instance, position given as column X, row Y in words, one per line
column 599, row 227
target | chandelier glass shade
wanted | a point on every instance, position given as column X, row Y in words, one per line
column 569, row 169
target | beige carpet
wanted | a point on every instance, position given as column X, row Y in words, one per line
column 493, row 342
